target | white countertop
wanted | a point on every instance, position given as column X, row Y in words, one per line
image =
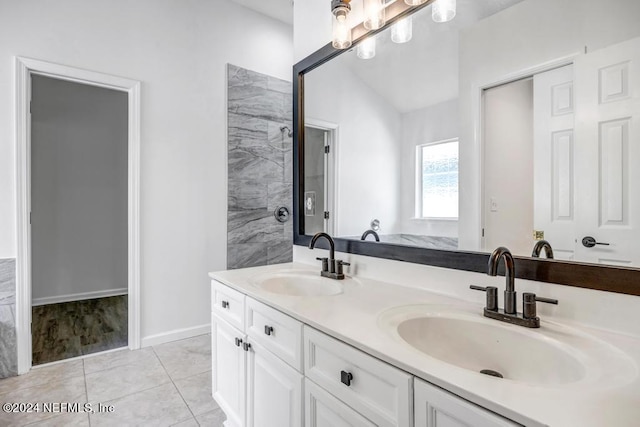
column 609, row 399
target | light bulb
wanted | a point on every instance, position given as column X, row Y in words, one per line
column 367, row 49
column 402, row 30
column 443, row 10
column 374, row 13
column 415, row 2
column 341, row 33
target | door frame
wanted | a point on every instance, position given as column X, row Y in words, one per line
column 24, row 69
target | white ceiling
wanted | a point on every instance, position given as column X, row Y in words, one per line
column 424, row 71
column 278, row 9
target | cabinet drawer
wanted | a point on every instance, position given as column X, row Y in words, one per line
column 228, row 304
column 323, row 410
column 277, row 332
column 435, row 407
column 377, row 390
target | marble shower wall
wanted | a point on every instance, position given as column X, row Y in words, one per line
column 8, row 343
column 260, row 168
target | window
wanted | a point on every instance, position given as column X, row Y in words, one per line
column 437, row 176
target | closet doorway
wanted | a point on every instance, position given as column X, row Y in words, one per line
column 78, row 203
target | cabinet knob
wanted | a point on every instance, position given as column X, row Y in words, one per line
column 238, row 342
column 246, row 346
column 268, row 329
column 346, row 378
column 225, row 304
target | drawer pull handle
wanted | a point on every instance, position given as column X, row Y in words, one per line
column 246, row 346
column 346, row 378
column 238, row 342
column 225, row 304
column 268, row 329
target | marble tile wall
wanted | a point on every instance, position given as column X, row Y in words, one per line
column 8, row 343
column 260, row 168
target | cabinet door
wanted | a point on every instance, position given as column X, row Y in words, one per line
column 324, row 410
column 435, row 407
column 274, row 391
column 228, row 370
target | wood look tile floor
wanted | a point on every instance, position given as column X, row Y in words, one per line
column 164, row 385
column 76, row 328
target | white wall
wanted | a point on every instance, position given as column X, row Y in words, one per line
column 367, row 150
column 79, row 153
column 508, row 170
column 435, row 123
column 527, row 35
column 179, row 50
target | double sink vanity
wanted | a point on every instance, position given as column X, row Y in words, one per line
column 293, row 348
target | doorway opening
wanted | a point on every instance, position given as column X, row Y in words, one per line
column 319, row 177
column 78, row 212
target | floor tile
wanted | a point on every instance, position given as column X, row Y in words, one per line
column 196, row 391
column 187, row 357
column 70, row 390
column 159, row 406
column 123, row 380
column 64, row 420
column 100, row 362
column 43, row 375
column 191, row 422
column 211, row 419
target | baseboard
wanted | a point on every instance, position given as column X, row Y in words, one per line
column 175, row 335
column 79, row 297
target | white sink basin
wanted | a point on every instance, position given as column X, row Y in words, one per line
column 549, row 356
column 300, row 283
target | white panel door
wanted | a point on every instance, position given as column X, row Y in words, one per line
column 435, row 407
column 324, row 410
column 553, row 153
column 274, row 391
column 228, row 370
column 607, row 84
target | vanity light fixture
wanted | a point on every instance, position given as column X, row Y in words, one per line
column 367, row 49
column 402, row 31
column 443, row 10
column 374, row 14
column 341, row 30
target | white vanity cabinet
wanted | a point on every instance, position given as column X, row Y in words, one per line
column 435, row 407
column 256, row 352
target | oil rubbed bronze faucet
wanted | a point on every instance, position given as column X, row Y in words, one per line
column 370, row 232
column 331, row 267
column 539, row 246
column 529, row 317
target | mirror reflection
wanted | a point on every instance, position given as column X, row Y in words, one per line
column 513, row 124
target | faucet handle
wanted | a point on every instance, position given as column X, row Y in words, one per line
column 325, row 263
column 529, row 304
column 339, row 265
column 492, row 296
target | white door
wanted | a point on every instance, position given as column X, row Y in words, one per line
column 608, row 154
column 553, row 154
column 274, row 391
column 229, row 370
column 435, row 407
column 324, row 410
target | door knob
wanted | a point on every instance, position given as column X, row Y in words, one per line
column 589, row 242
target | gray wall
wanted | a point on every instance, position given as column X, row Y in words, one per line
column 260, row 172
column 8, row 344
column 78, row 188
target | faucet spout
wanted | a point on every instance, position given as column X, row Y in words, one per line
column 315, row 238
column 370, row 232
column 509, row 273
column 539, row 246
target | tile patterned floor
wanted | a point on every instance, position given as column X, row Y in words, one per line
column 163, row 385
column 70, row 329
